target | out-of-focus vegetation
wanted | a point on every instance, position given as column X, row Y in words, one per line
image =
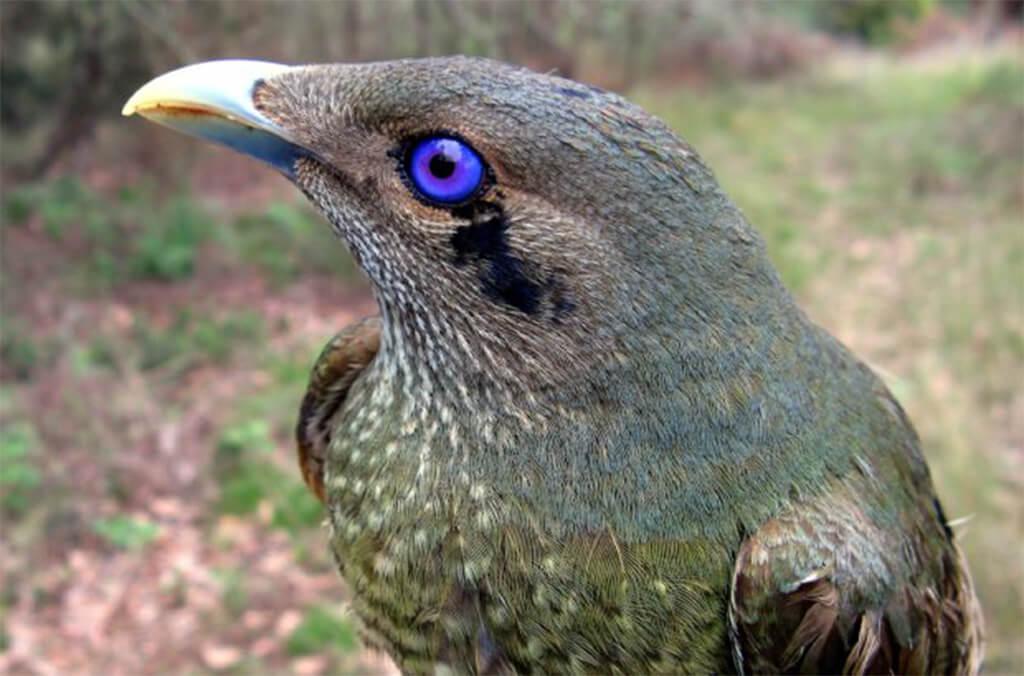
column 162, row 301
column 98, row 49
column 875, row 21
column 283, row 239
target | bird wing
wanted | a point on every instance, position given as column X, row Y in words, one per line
column 820, row 589
column 347, row 354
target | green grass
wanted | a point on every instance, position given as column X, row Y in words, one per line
column 19, row 474
column 254, row 467
column 168, row 246
column 287, row 240
column 128, row 236
column 250, row 477
column 321, row 630
column 136, row 234
column 192, row 339
column 20, row 353
column 234, row 590
column 125, row 532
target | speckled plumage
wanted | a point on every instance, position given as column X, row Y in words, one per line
column 597, row 434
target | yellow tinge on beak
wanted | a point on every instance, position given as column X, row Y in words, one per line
column 214, row 101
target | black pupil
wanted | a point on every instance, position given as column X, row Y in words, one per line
column 441, row 166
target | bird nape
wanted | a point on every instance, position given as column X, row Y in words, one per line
column 590, row 430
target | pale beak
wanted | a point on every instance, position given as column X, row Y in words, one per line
column 214, row 101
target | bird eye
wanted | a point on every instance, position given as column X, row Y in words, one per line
column 444, row 169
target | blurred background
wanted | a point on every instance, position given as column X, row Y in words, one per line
column 163, row 300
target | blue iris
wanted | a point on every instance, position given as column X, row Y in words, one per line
column 444, row 169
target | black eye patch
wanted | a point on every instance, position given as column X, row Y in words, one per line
column 503, row 276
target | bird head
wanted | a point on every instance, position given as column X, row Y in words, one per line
column 510, row 222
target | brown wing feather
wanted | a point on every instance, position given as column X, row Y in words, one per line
column 821, row 590
column 337, row 367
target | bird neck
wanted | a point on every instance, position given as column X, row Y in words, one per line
column 680, row 398
column 450, row 359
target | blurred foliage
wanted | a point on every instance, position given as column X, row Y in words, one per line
column 62, row 65
column 234, row 592
column 287, row 240
column 123, row 237
column 19, row 475
column 65, row 65
column 125, row 532
column 190, row 340
column 874, row 21
column 249, row 478
column 20, row 352
column 167, row 248
column 322, row 630
column 136, row 235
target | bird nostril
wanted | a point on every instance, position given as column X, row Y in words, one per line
column 442, row 166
